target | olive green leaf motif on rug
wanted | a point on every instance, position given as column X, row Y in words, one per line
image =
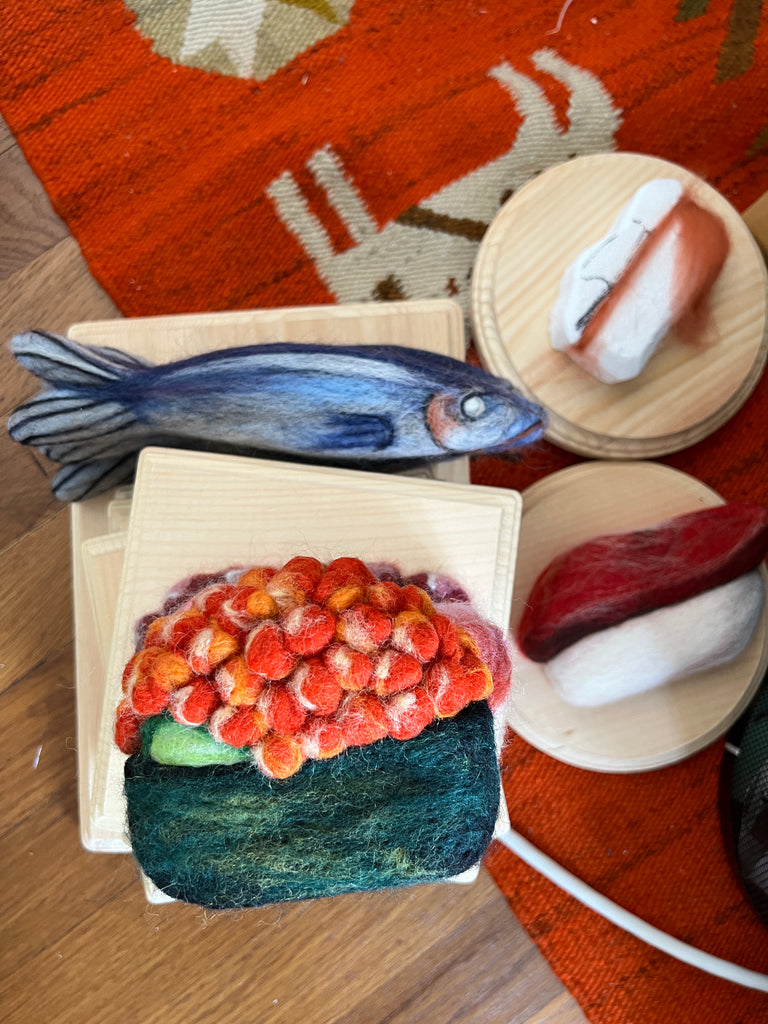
column 737, row 52
column 241, row 38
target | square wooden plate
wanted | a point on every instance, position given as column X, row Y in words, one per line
column 195, row 512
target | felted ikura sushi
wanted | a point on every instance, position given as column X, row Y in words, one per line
column 311, row 730
column 624, row 613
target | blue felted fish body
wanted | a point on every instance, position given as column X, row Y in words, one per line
column 378, row 407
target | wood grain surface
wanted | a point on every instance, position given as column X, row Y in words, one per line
column 79, row 942
column 660, row 726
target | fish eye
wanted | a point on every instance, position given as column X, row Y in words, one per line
column 473, row 406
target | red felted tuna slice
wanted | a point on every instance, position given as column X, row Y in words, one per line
column 611, row 578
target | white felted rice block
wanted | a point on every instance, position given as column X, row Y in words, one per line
column 666, row 644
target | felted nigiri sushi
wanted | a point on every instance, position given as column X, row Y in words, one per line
column 622, row 295
column 309, row 731
column 623, row 613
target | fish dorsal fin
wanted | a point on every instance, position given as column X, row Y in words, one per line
column 59, row 361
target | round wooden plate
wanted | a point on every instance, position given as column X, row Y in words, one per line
column 653, row 729
column 688, row 389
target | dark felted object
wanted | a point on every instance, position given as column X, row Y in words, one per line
column 389, row 814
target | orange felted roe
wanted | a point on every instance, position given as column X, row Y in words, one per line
column 302, row 662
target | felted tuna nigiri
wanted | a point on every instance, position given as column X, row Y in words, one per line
column 382, row 407
column 622, row 613
column 278, row 720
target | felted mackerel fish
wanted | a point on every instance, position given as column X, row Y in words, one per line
column 383, row 407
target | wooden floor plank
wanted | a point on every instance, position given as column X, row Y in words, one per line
column 37, row 613
column 28, row 224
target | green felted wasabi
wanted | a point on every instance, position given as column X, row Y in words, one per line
column 168, row 742
column 388, row 814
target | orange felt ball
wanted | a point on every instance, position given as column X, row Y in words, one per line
column 364, row 627
column 344, row 597
column 148, row 697
column 282, row 711
column 478, row 676
column 266, row 652
column 417, row 599
column 342, row 572
column 448, row 635
column 408, row 713
column 316, row 687
column 279, row 757
column 414, row 634
column 259, row 603
column 239, row 727
column 321, row 738
column 352, row 669
column 386, row 596
column 362, row 719
column 257, row 577
column 448, row 687
column 293, row 584
column 194, row 703
column 127, row 728
column 236, row 683
column 174, row 630
column 308, row 629
column 208, row 648
column 210, row 599
column 394, row 671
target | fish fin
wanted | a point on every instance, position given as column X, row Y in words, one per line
column 68, row 425
column 354, row 430
column 87, row 479
column 60, row 361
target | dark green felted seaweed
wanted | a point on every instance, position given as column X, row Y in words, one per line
column 389, row 814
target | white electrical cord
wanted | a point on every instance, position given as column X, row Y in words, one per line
column 636, row 926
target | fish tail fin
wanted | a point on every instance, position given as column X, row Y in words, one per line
column 68, row 425
column 80, row 416
column 61, row 362
column 82, row 480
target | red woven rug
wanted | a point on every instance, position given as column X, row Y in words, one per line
column 343, row 150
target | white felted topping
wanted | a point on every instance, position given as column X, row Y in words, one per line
column 645, row 652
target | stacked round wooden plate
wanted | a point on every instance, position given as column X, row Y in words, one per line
column 687, row 389
column 655, row 728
